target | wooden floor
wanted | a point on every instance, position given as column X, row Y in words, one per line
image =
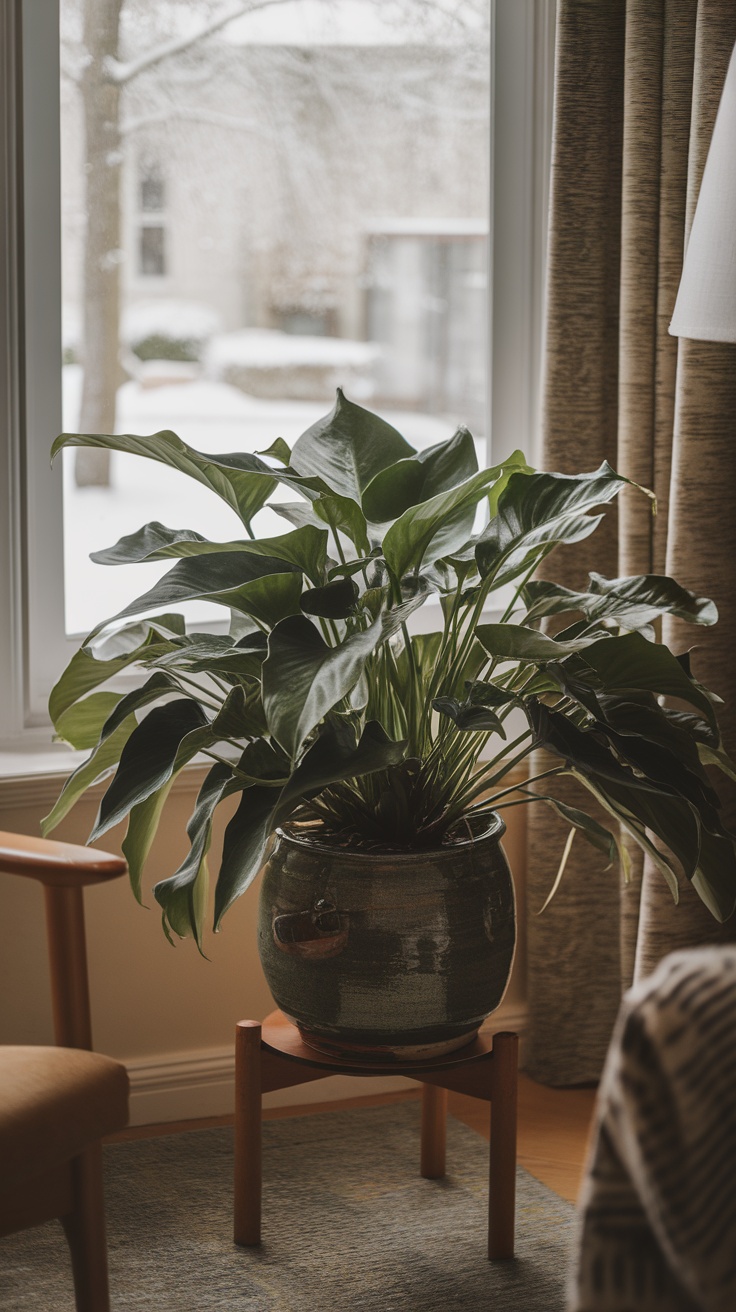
column 553, row 1127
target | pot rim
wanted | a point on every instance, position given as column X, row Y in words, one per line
column 496, row 828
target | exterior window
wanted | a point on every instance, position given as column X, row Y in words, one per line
column 152, row 250
column 322, row 170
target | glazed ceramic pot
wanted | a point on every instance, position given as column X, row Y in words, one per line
column 382, row 957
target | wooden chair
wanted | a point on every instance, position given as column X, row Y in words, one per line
column 57, row 1103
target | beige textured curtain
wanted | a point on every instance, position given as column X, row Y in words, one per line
column 637, row 90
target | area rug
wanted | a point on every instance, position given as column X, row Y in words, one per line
column 349, row 1225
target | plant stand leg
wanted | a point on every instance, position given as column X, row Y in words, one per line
column 502, row 1186
column 247, row 1133
column 434, row 1131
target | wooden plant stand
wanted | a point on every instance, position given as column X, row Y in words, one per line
column 274, row 1056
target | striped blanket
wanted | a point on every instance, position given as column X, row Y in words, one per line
column 658, row 1204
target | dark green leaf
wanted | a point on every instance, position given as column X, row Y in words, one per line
column 348, row 448
column 420, row 477
column 86, row 671
column 306, row 548
column 514, row 642
column 81, row 723
column 243, row 847
column 243, row 481
column 438, row 527
column 183, row 895
column 142, row 826
column 535, row 512
column 278, row 450
column 336, row 601
column 303, row 678
column 221, row 578
column 151, row 691
column 99, row 763
column 147, row 760
column 344, row 516
column 467, row 716
column 630, row 661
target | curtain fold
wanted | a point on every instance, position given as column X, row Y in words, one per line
column 636, row 95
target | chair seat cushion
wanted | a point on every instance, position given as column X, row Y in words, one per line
column 54, row 1102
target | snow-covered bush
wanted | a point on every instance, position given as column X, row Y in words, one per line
column 168, row 329
column 276, row 365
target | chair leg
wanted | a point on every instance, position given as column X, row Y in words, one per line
column 85, row 1232
column 502, row 1186
column 247, row 1133
column 434, row 1131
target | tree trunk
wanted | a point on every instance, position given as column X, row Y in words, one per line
column 102, row 258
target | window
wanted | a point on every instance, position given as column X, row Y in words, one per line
column 151, row 229
column 294, row 275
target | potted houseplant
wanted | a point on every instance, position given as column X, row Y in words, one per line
column 380, row 757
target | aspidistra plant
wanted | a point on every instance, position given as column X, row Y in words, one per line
column 320, row 706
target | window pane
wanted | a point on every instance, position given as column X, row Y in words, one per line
column 152, row 263
column 324, row 221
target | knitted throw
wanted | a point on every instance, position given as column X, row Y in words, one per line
column 658, row 1206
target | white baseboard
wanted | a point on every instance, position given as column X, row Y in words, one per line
column 181, row 1086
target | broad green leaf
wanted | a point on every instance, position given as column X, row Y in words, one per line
column 348, row 448
column 99, row 763
column 437, row 527
column 243, row 481
column 479, row 693
column 344, row 516
column 80, row 724
column 715, row 878
column 517, row 643
column 211, row 653
column 632, row 603
column 271, row 598
column 636, row 830
column 183, row 895
column 553, row 730
column 333, row 757
column 142, row 826
column 716, row 756
column 278, row 450
column 305, row 547
column 662, row 595
column 467, row 716
column 336, row 756
column 303, row 678
column 535, row 512
column 221, row 578
column 154, row 541
column 335, row 601
column 298, row 513
column 420, row 477
column 147, row 760
column 86, row 671
column 152, row 690
column 244, row 844
column 631, row 662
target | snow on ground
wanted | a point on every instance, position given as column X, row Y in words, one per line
column 210, row 416
column 269, row 348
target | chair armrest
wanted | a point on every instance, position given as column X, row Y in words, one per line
column 57, row 865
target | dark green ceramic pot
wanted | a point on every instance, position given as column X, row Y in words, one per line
column 387, row 957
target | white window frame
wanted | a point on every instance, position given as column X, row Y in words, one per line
column 33, row 645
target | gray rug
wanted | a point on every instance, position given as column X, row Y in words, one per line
column 349, row 1224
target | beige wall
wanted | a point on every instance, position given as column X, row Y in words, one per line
column 165, row 1011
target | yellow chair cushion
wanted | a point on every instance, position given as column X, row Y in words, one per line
column 53, row 1103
